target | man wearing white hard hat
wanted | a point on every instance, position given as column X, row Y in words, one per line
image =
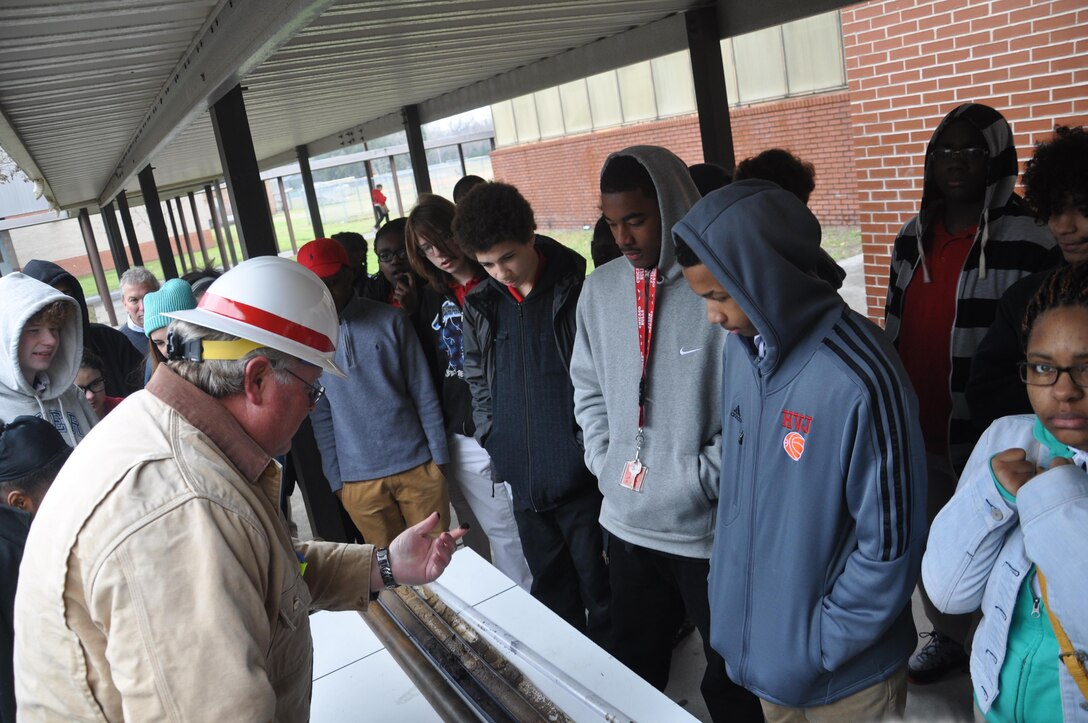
column 159, row 582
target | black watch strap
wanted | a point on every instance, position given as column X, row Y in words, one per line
column 385, row 568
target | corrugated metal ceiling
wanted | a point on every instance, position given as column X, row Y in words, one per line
column 81, row 82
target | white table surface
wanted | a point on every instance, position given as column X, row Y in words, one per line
column 355, row 679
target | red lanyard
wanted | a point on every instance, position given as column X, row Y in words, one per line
column 645, row 300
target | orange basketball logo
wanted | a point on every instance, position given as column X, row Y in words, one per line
column 794, row 444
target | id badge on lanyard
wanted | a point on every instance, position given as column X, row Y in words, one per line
column 634, row 471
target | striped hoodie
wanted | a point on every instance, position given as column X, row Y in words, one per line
column 1008, row 246
column 821, row 511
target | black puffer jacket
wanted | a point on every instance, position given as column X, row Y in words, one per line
column 524, row 414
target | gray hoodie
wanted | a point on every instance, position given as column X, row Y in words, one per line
column 674, row 513
column 57, row 400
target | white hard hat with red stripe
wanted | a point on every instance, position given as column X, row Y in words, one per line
column 272, row 302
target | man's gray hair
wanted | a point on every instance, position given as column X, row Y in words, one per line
column 222, row 378
column 139, row 276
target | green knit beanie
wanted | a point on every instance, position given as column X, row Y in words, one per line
column 174, row 295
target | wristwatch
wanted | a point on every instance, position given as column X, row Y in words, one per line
column 385, row 568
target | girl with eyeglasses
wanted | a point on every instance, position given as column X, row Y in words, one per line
column 1012, row 540
column 92, row 384
column 450, row 275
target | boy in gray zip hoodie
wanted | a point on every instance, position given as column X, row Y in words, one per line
column 821, row 516
column 651, row 423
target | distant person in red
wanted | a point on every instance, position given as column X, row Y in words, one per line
column 381, row 211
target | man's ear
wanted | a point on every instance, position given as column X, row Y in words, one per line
column 17, row 499
column 258, row 378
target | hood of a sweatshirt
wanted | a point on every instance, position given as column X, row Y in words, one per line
column 50, row 273
column 756, row 238
column 1001, row 173
column 676, row 194
column 23, row 298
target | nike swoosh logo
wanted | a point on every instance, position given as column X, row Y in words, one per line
column 685, row 352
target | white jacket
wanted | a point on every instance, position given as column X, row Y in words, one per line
column 981, row 547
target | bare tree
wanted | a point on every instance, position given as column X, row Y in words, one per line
column 9, row 172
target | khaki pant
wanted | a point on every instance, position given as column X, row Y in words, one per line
column 884, row 701
column 383, row 508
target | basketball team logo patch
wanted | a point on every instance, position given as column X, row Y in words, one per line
column 794, row 444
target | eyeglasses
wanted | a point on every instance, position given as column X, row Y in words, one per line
column 94, row 387
column 396, row 254
column 1046, row 375
column 972, row 153
column 428, row 249
column 316, row 390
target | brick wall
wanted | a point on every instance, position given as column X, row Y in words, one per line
column 559, row 177
column 910, row 62
column 816, row 129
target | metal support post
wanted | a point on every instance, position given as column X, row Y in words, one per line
column 711, row 100
column 461, row 155
column 96, row 264
column 158, row 225
column 185, row 232
column 248, row 199
column 130, row 230
column 287, row 214
column 226, row 226
column 199, row 233
column 396, row 185
column 416, row 152
column 177, row 237
column 113, row 236
column 311, row 193
column 210, row 197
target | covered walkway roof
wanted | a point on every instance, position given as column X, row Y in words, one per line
column 93, row 91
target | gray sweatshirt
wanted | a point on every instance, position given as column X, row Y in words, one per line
column 384, row 418
column 675, row 510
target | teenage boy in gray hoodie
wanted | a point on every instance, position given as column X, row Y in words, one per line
column 646, row 395
column 41, row 334
column 821, row 518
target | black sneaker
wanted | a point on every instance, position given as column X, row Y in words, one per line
column 940, row 656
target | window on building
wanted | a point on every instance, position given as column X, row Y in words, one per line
column 674, row 88
column 798, row 58
column 761, row 65
column 604, row 99
column 502, row 116
column 813, row 49
column 525, row 119
column 637, row 92
column 575, row 100
column 549, row 112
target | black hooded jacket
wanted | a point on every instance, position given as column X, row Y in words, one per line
column 123, row 365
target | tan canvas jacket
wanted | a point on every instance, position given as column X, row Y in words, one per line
column 159, row 582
